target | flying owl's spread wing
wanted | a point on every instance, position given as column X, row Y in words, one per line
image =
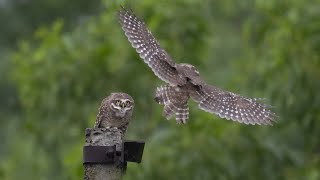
column 185, row 81
column 175, row 101
column 148, row 47
column 232, row 106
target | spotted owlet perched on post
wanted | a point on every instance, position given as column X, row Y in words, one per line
column 183, row 81
column 115, row 112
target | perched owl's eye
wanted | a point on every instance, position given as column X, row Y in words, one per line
column 128, row 103
column 118, row 102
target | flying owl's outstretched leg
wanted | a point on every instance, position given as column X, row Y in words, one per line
column 169, row 110
column 175, row 101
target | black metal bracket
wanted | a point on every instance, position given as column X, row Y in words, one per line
column 132, row 151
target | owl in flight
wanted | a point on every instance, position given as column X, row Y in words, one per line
column 184, row 82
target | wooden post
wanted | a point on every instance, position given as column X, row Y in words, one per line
column 103, row 137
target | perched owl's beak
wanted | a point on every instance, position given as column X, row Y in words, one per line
column 123, row 105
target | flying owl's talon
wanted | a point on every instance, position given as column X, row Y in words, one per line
column 179, row 122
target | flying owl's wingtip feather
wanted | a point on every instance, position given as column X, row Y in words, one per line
column 121, row 12
column 121, row 6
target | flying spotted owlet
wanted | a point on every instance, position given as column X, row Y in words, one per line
column 115, row 112
column 183, row 81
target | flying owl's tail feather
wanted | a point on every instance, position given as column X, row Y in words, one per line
column 182, row 114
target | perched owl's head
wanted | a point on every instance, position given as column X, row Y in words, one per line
column 121, row 104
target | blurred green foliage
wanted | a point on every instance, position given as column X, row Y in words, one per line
column 257, row 48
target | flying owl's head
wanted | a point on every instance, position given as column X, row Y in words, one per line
column 121, row 104
column 189, row 72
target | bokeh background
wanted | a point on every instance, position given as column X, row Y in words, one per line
column 60, row 58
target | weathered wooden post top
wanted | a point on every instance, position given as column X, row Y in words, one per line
column 106, row 153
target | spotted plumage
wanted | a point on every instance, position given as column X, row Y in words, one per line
column 184, row 82
column 115, row 112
